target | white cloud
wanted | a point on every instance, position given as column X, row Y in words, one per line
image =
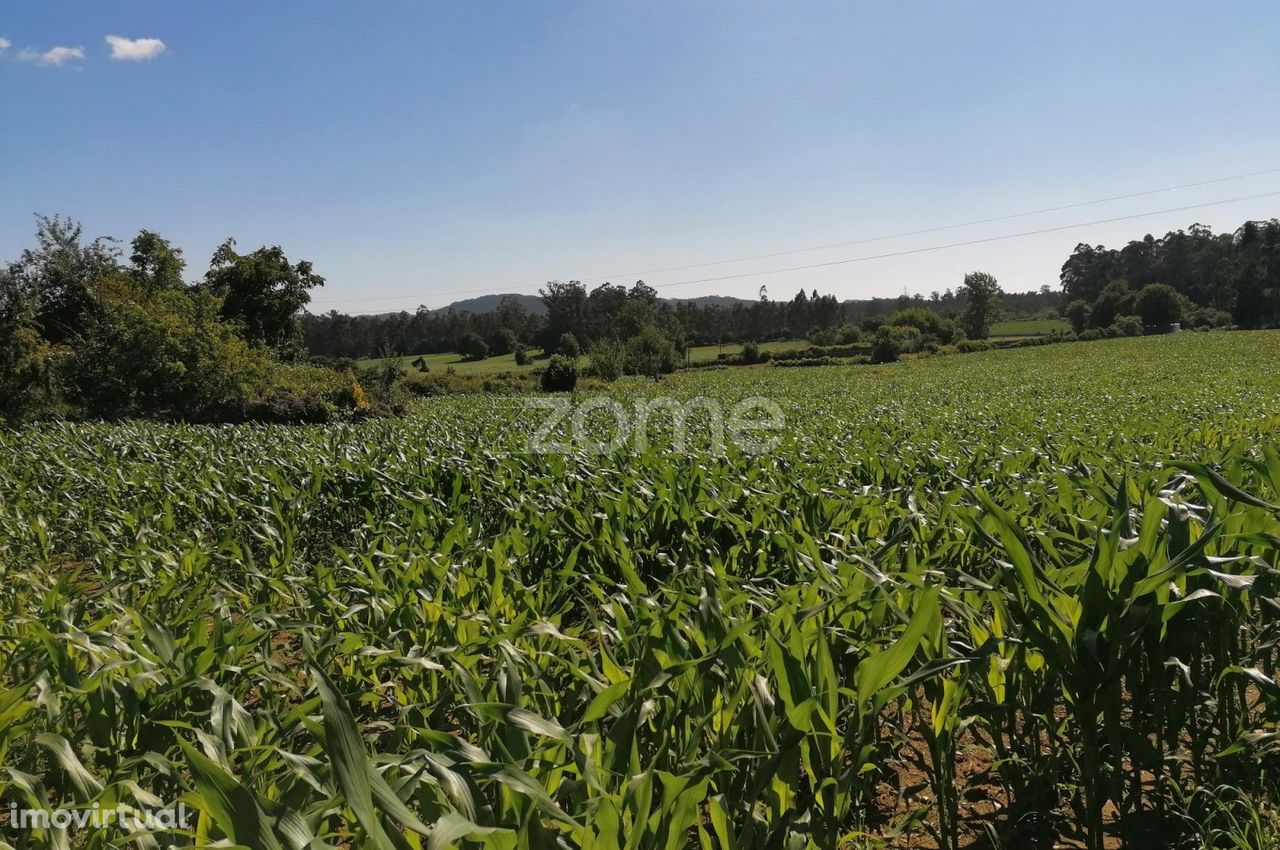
column 52, row 56
column 5, row 44
column 134, row 49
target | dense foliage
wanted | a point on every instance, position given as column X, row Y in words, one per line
column 1236, row 275
column 83, row 333
column 1032, row 588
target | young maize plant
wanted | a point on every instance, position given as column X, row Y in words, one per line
column 1025, row 594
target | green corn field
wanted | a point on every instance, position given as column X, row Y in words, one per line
column 1007, row 599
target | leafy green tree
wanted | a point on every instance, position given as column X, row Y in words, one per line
column 156, row 263
column 58, row 277
column 636, row 314
column 566, row 305
column 568, row 345
column 262, row 293
column 501, row 341
column 1158, row 304
column 1257, row 272
column 605, row 305
column 608, row 359
column 1116, row 299
column 28, row 362
column 1207, row 317
column 1078, row 313
column 982, row 295
column 892, row 341
column 1088, row 270
column 473, row 347
column 641, row 291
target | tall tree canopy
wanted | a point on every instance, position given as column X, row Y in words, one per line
column 57, row 277
column 157, row 265
column 1234, row 272
column 982, row 304
column 263, row 292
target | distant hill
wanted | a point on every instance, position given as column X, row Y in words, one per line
column 489, row 303
column 710, row 300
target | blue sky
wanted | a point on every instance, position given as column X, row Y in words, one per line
column 419, row 150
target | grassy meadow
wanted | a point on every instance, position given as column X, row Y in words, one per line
column 461, row 365
column 507, row 362
column 1030, row 327
column 1012, row 598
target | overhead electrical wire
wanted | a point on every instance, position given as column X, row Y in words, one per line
column 886, row 237
column 889, row 254
column 970, row 241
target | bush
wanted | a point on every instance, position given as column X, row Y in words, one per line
column 561, row 375
column 339, row 364
column 1078, row 313
column 165, row 352
column 806, row 361
column 927, row 322
column 968, row 346
column 750, row 353
column 568, row 345
column 29, row 385
column 651, row 353
column 1089, row 335
column 1208, row 317
column 1127, row 326
column 848, row 334
column 608, row 360
column 282, row 410
column 340, row 389
column 822, row 337
column 892, row 341
column 430, row 385
column 522, row 356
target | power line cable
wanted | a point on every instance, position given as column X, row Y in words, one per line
column 865, row 258
column 938, row 229
column 970, row 241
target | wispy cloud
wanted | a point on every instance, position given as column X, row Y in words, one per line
column 134, row 49
column 5, row 44
column 52, row 56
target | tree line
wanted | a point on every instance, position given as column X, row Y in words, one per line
column 613, row 311
column 1191, row 275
